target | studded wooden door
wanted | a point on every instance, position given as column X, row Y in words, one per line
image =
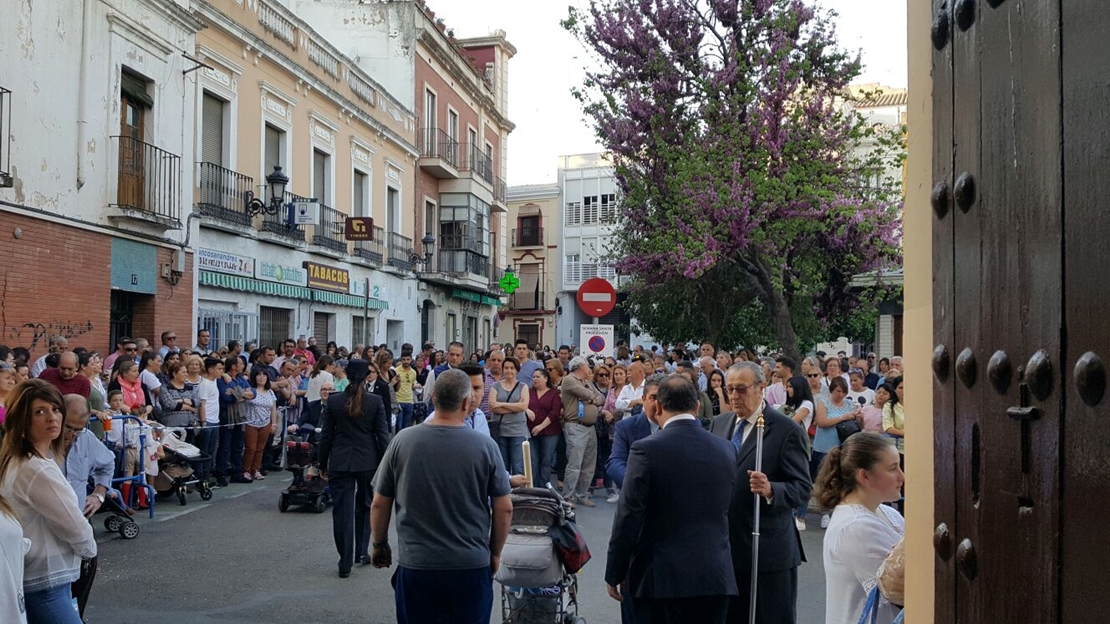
column 1021, row 113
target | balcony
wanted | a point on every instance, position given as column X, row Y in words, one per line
column 221, row 195
column 149, row 184
column 439, row 153
column 477, row 162
column 372, row 251
column 522, row 300
column 400, row 251
column 5, row 138
column 281, row 225
column 495, row 275
column 528, row 237
column 329, row 232
column 463, row 261
column 500, row 189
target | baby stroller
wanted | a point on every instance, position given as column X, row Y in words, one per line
column 535, row 585
column 177, row 469
column 308, row 487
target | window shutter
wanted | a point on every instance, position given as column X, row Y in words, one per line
column 319, row 170
column 359, row 207
column 273, row 151
column 212, row 130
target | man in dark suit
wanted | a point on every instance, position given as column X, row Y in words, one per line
column 631, row 429
column 352, row 443
column 783, row 484
column 671, row 533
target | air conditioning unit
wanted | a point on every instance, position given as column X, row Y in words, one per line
column 178, row 261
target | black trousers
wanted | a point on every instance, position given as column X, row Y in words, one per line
column 778, row 598
column 83, row 585
column 700, row 609
column 351, row 494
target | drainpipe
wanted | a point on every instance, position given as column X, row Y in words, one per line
column 83, row 91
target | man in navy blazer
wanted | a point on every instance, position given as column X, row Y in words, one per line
column 783, row 484
column 629, row 430
column 670, row 536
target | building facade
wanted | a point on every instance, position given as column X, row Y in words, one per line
column 531, row 311
column 96, row 173
column 458, row 90
column 274, row 93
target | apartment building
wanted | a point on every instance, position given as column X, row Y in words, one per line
column 531, row 310
column 458, row 89
column 96, row 176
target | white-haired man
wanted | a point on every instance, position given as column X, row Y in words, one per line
column 580, row 409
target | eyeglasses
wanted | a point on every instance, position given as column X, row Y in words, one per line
column 129, row 349
column 171, row 337
column 813, row 375
column 602, row 376
column 739, row 389
column 75, row 431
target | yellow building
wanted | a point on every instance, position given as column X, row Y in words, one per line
column 534, row 256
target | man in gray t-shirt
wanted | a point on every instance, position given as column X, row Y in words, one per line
column 442, row 477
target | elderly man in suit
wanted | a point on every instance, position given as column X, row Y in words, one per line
column 670, row 535
column 782, row 484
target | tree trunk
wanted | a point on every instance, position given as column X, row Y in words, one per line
column 777, row 310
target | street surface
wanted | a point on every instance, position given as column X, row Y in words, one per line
column 236, row 559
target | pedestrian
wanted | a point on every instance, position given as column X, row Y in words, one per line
column 7, row 384
column 445, row 561
column 12, row 547
column 831, row 412
column 354, row 439
column 528, row 363
column 65, row 377
column 783, row 483
column 873, row 413
column 670, row 536
column 799, row 408
column 508, row 401
column 610, row 416
column 545, row 421
column 581, row 403
column 234, row 389
column 180, row 405
column 207, row 434
column 32, row 483
column 260, row 417
column 855, row 480
column 405, row 384
column 322, row 373
column 86, row 458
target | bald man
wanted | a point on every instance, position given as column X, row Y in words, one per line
column 65, row 377
column 86, row 458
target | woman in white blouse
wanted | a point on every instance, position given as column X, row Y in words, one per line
column 32, row 483
column 856, row 478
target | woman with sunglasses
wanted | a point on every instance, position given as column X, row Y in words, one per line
column 7, row 384
column 32, row 483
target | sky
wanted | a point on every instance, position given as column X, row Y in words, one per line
column 549, row 62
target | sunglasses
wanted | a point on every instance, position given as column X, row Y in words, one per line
column 813, row 375
column 601, row 376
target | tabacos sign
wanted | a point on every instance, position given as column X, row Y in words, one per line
column 323, row 277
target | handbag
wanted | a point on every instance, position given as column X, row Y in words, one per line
column 847, row 429
column 570, row 545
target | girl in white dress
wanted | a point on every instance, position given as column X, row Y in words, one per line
column 12, row 548
column 856, row 478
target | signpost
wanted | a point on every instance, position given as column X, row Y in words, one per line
column 358, row 228
column 596, row 297
column 306, row 212
column 597, row 339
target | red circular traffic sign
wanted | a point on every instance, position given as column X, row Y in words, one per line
column 597, row 297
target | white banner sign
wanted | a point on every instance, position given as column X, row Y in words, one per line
column 223, row 262
column 597, row 340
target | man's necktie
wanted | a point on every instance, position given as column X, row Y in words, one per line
column 738, row 435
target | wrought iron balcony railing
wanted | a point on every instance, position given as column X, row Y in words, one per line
column 434, row 143
column 222, row 193
column 372, row 250
column 329, row 232
column 474, row 159
column 528, row 237
column 283, row 223
column 149, row 178
column 400, row 251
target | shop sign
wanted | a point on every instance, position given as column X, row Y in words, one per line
column 358, row 289
column 325, row 277
column 222, row 262
column 281, row 273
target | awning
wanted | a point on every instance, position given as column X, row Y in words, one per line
column 352, row 301
column 247, row 284
column 468, row 295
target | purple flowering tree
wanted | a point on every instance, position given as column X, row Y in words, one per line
column 748, row 181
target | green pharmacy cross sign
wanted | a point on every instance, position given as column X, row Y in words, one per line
column 510, row 282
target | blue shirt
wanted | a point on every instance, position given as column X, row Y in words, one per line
column 827, row 439
column 88, row 457
column 527, row 368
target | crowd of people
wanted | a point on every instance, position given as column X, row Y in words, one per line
column 583, row 417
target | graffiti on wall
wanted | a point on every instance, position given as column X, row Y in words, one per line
column 34, row 335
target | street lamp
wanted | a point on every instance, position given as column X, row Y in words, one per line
column 277, row 181
column 428, row 243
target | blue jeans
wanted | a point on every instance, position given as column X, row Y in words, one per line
column 815, row 459
column 54, row 605
column 229, row 451
column 543, row 459
column 456, row 596
column 207, row 440
column 511, row 453
column 404, row 419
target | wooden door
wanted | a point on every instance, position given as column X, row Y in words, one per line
column 132, row 161
column 998, row 258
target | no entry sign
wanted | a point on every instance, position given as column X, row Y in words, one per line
column 597, row 339
column 596, row 297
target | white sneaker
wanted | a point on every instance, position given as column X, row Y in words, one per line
column 613, row 498
column 825, row 518
column 800, row 523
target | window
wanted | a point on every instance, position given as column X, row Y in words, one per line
column 360, row 204
column 573, row 213
column 530, row 332
column 212, row 130
column 453, row 125
column 358, row 323
column 589, row 209
column 430, row 110
column 529, row 233
column 572, row 270
column 322, row 324
column 430, row 220
column 608, row 212
column 393, row 210
column 274, row 154
column 275, row 325
column 320, row 182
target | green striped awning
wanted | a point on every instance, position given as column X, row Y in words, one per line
column 470, row 295
column 351, row 301
column 247, row 284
